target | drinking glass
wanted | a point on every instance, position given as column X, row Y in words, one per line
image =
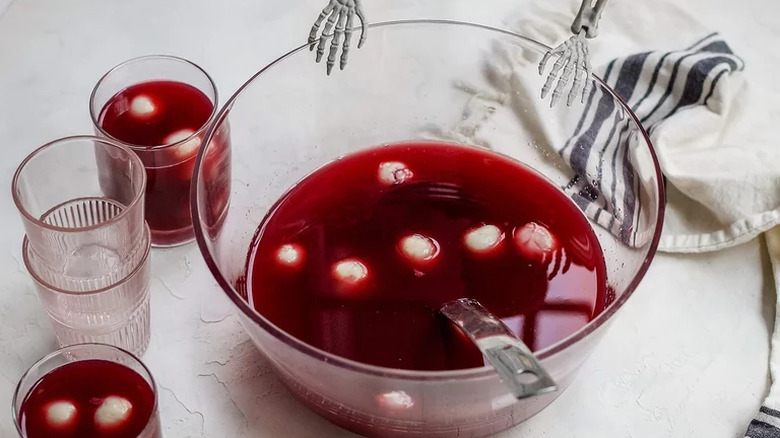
column 81, row 202
column 81, row 352
column 168, row 166
column 96, row 310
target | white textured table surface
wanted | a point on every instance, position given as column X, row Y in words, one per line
column 687, row 356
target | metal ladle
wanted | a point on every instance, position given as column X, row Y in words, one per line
column 517, row 367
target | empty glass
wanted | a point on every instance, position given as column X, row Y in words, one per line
column 115, row 313
column 87, row 245
column 81, row 202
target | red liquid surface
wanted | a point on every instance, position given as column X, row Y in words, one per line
column 159, row 113
column 388, row 313
column 85, row 385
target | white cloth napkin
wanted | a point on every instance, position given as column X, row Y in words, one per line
column 709, row 126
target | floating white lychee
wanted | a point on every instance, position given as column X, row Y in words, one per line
column 142, row 106
column 534, row 241
column 186, row 149
column 290, row 255
column 350, row 271
column 395, row 400
column 482, row 239
column 394, row 172
column 113, row 412
column 60, row 413
column 418, row 248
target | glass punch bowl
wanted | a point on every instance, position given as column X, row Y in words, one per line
column 426, row 79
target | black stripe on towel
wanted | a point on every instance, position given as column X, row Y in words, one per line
column 581, row 123
column 694, row 84
column 770, row 411
column 669, row 89
column 652, row 80
column 759, row 429
column 714, row 83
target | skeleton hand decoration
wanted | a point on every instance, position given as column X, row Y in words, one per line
column 340, row 13
column 573, row 56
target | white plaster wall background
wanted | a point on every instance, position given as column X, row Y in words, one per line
column 4, row 4
column 686, row 357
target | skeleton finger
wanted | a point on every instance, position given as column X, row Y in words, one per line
column 326, row 30
column 588, row 75
column 548, row 54
column 568, row 68
column 543, row 62
column 559, row 63
column 362, row 18
column 550, row 79
column 578, row 71
column 336, row 42
column 347, row 41
column 325, row 12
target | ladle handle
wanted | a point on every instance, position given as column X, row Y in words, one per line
column 516, row 365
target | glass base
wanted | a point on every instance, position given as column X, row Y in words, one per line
column 170, row 239
column 133, row 335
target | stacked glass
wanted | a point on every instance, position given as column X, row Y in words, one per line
column 87, row 245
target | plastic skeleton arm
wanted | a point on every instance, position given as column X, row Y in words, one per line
column 341, row 14
column 572, row 55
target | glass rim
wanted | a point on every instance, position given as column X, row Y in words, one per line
column 62, row 350
column 130, row 276
column 202, row 129
column 395, row 373
column 41, row 149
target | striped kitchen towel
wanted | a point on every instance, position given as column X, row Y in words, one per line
column 693, row 87
column 765, row 425
column 657, row 86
